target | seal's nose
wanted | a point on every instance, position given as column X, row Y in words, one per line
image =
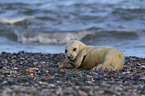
column 69, row 57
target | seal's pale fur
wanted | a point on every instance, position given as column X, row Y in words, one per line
column 94, row 58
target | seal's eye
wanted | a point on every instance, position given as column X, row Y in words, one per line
column 65, row 51
column 74, row 49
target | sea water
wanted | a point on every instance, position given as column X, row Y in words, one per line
column 46, row 25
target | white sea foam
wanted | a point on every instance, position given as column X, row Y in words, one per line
column 63, row 37
column 12, row 21
column 51, row 37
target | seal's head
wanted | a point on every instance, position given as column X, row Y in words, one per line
column 72, row 49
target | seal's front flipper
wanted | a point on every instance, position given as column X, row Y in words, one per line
column 66, row 64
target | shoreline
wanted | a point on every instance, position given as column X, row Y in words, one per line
column 37, row 74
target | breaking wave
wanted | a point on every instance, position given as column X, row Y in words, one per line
column 98, row 37
column 50, row 37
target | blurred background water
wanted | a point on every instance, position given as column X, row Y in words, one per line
column 46, row 25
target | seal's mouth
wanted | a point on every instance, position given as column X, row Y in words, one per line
column 72, row 59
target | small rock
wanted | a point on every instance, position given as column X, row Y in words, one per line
column 101, row 92
column 29, row 70
column 81, row 93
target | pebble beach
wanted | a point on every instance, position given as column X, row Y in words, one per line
column 38, row 74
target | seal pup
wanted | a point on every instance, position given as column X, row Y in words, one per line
column 79, row 55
